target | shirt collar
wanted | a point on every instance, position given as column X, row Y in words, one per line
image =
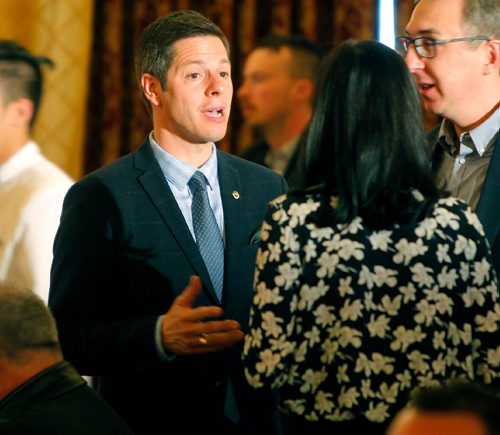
column 482, row 136
column 178, row 172
column 285, row 151
column 447, row 136
column 485, row 133
column 19, row 161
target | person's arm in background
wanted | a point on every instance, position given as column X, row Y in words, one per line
column 39, row 223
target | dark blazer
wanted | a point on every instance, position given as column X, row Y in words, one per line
column 122, row 253
column 488, row 207
column 293, row 174
column 58, row 402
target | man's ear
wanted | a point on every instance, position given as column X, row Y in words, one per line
column 303, row 90
column 152, row 89
column 493, row 57
column 20, row 111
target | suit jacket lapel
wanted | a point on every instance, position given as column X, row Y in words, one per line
column 156, row 187
column 488, row 208
column 230, row 187
column 436, row 150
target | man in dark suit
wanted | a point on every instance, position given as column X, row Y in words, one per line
column 131, row 236
column 40, row 393
column 276, row 98
column 453, row 50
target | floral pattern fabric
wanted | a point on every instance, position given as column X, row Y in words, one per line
column 347, row 321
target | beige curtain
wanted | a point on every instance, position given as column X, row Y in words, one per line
column 61, row 30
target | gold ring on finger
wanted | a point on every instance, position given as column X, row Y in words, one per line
column 203, row 339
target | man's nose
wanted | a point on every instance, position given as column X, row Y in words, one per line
column 413, row 60
column 217, row 85
column 242, row 91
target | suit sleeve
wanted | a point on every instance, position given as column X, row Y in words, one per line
column 98, row 331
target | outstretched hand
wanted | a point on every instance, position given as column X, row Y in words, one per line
column 186, row 331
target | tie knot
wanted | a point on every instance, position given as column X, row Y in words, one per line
column 197, row 182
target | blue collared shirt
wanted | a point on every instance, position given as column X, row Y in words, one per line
column 178, row 173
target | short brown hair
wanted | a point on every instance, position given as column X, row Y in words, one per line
column 26, row 323
column 20, row 74
column 481, row 17
column 154, row 51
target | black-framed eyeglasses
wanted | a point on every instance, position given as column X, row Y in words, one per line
column 426, row 47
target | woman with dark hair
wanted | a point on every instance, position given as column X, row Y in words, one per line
column 370, row 281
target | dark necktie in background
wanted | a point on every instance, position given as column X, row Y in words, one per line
column 211, row 246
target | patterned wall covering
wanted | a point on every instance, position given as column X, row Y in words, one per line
column 61, row 30
column 117, row 121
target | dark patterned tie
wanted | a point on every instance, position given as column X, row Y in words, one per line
column 230, row 406
column 206, row 231
column 211, row 246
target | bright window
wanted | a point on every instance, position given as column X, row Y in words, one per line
column 386, row 23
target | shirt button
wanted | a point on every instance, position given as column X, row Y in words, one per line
column 461, row 161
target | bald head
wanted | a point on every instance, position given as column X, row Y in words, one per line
column 459, row 408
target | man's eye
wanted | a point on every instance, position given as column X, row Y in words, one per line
column 257, row 78
column 224, row 74
column 194, row 75
column 426, row 42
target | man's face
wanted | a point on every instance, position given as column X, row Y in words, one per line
column 197, row 100
column 451, row 81
column 3, row 113
column 413, row 422
column 265, row 94
column 6, row 122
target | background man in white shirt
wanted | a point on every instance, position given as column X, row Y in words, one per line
column 32, row 189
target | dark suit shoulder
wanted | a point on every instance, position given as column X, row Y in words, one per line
column 59, row 401
column 9, row 427
column 111, row 170
column 433, row 135
column 138, row 160
column 249, row 169
column 257, row 152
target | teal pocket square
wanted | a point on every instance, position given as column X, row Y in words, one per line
column 255, row 237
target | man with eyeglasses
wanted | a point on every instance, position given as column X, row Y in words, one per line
column 452, row 47
column 32, row 188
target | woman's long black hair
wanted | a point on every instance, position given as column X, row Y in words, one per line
column 366, row 143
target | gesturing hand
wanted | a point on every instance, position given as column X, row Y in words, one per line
column 185, row 330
